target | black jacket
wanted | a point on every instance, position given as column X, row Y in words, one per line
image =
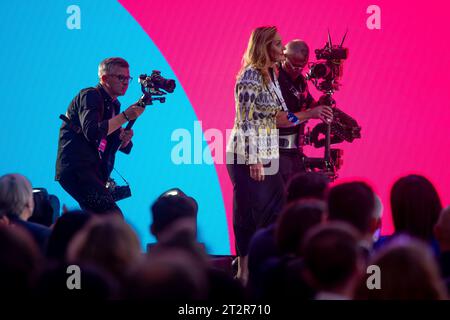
column 90, row 110
column 294, row 104
column 39, row 233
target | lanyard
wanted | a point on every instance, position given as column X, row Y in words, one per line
column 275, row 88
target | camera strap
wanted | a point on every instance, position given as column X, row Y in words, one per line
column 126, row 182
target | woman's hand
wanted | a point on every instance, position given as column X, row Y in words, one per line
column 257, row 171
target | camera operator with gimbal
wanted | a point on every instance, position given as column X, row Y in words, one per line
column 300, row 107
column 90, row 136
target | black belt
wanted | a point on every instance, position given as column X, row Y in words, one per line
column 289, row 141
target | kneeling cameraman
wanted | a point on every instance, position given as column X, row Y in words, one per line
column 91, row 135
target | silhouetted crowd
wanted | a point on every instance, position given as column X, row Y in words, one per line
column 325, row 245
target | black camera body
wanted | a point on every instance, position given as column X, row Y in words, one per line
column 118, row 192
column 154, row 87
column 331, row 53
column 157, row 82
column 327, row 71
column 46, row 207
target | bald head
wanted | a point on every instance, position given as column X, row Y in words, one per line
column 297, row 55
column 297, row 47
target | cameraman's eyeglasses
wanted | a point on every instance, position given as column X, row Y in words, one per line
column 122, row 78
column 294, row 68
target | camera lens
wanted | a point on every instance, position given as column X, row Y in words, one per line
column 319, row 70
column 169, row 85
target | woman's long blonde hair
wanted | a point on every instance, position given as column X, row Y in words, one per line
column 257, row 52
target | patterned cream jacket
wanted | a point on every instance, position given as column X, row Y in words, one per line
column 254, row 136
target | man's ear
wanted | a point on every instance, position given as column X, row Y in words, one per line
column 103, row 78
column 375, row 224
column 30, row 205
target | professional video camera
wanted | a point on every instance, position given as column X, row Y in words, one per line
column 325, row 75
column 329, row 69
column 153, row 87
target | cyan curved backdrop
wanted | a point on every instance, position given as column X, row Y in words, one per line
column 44, row 64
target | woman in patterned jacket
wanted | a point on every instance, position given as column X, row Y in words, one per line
column 252, row 151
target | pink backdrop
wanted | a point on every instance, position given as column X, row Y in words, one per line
column 396, row 80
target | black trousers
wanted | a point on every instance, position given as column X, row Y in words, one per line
column 256, row 204
column 87, row 186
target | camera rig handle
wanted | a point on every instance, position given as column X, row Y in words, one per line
column 148, row 96
column 325, row 75
column 327, row 99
